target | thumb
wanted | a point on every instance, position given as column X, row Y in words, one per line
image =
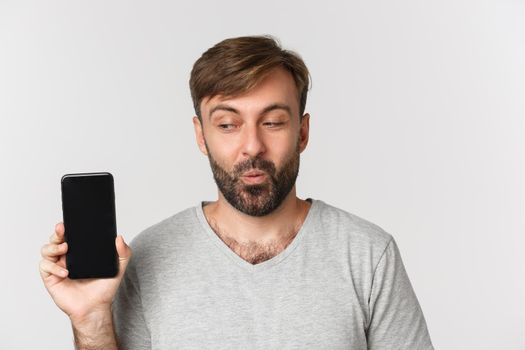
column 124, row 253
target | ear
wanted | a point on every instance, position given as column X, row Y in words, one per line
column 199, row 135
column 304, row 132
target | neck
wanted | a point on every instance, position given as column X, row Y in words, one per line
column 278, row 226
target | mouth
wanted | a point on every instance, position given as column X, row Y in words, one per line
column 254, row 177
column 253, row 173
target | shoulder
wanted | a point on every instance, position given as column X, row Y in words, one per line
column 346, row 226
column 164, row 232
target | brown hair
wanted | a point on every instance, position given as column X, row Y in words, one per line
column 235, row 65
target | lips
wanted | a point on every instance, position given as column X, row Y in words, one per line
column 253, row 173
column 254, row 177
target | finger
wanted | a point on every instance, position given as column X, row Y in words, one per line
column 53, row 252
column 62, row 261
column 58, row 236
column 124, row 253
column 48, row 268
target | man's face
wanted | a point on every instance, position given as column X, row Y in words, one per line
column 253, row 142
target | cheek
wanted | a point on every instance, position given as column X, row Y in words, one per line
column 217, row 145
column 223, row 153
column 282, row 152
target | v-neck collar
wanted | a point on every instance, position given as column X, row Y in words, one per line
column 267, row 263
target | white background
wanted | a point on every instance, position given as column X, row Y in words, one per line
column 417, row 124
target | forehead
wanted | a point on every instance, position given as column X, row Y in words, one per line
column 278, row 86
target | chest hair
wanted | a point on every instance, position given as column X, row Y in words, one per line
column 252, row 251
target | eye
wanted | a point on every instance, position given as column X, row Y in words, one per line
column 273, row 124
column 226, row 126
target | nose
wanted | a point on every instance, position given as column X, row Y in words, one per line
column 253, row 144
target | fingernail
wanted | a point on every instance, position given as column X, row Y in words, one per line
column 63, row 272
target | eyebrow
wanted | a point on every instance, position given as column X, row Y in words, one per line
column 267, row 109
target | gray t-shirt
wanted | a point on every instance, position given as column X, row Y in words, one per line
column 340, row 284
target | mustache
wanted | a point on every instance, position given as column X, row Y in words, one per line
column 254, row 164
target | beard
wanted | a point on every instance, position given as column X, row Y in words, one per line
column 256, row 199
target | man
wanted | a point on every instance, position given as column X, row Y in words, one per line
column 258, row 268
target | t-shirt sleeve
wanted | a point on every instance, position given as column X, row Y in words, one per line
column 128, row 317
column 396, row 318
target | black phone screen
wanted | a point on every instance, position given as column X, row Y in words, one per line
column 88, row 207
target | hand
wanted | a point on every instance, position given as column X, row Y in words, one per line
column 78, row 298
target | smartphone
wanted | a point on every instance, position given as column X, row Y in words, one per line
column 88, row 208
